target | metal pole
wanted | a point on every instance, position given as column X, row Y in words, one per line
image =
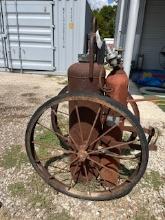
column 2, row 38
column 18, row 34
column 8, row 37
column 119, row 31
column 131, row 31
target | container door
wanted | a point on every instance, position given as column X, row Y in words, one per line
column 29, row 31
column 3, row 58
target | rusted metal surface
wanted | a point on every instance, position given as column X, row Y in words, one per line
column 117, row 89
column 93, row 149
column 117, row 81
column 148, row 99
column 84, row 77
column 134, row 106
column 77, row 163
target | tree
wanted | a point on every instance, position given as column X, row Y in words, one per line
column 106, row 20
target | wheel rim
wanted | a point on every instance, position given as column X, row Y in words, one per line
column 55, row 166
column 56, row 124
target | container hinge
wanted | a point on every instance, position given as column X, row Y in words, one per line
column 4, row 36
column 54, row 48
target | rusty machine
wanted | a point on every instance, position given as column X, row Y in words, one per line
column 86, row 142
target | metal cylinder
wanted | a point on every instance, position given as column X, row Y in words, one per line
column 117, row 87
column 117, row 84
column 79, row 81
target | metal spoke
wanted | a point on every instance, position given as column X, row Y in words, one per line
column 54, row 132
column 79, row 123
column 112, row 147
column 63, row 113
column 99, row 176
column 75, row 144
column 101, row 165
column 73, row 161
column 60, row 169
column 86, row 176
column 122, row 157
column 61, row 123
column 48, row 146
column 110, row 129
column 94, row 123
column 75, row 170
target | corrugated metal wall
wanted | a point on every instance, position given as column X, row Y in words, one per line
column 153, row 38
column 42, row 35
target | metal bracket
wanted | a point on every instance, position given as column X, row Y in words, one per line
column 4, row 35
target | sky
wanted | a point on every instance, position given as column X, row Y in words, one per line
column 99, row 3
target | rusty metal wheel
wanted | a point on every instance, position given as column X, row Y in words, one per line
column 56, row 124
column 80, row 170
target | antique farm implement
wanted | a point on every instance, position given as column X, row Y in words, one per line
column 85, row 142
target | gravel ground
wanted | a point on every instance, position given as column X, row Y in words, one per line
column 25, row 196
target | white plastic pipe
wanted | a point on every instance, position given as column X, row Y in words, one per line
column 120, row 24
column 130, row 36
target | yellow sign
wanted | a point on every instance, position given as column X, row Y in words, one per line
column 71, row 25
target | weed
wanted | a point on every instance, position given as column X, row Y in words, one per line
column 144, row 214
column 61, row 216
column 39, row 200
column 17, row 189
column 36, row 193
column 63, row 82
column 48, row 142
column 4, row 214
column 153, row 179
column 13, row 157
column 30, row 94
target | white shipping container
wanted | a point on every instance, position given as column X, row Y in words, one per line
column 43, row 35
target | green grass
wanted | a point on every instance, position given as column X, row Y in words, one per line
column 32, row 191
column 162, row 107
column 4, row 214
column 161, row 104
column 144, row 214
column 47, row 137
column 17, row 189
column 61, row 216
column 37, row 196
column 65, row 82
column 153, row 179
column 13, row 157
column 39, row 200
column 48, row 142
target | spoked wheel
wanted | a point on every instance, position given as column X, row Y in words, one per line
column 56, row 122
column 81, row 169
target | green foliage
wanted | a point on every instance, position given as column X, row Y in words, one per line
column 48, row 142
column 13, row 157
column 61, row 216
column 144, row 214
column 106, row 20
column 17, row 189
column 153, row 179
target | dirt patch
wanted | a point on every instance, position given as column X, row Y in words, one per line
column 26, row 196
column 34, row 100
column 28, row 94
column 36, row 87
column 15, row 108
column 15, row 116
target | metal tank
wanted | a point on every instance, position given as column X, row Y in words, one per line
column 84, row 77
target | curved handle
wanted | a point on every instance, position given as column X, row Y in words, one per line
column 91, row 54
column 94, row 25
